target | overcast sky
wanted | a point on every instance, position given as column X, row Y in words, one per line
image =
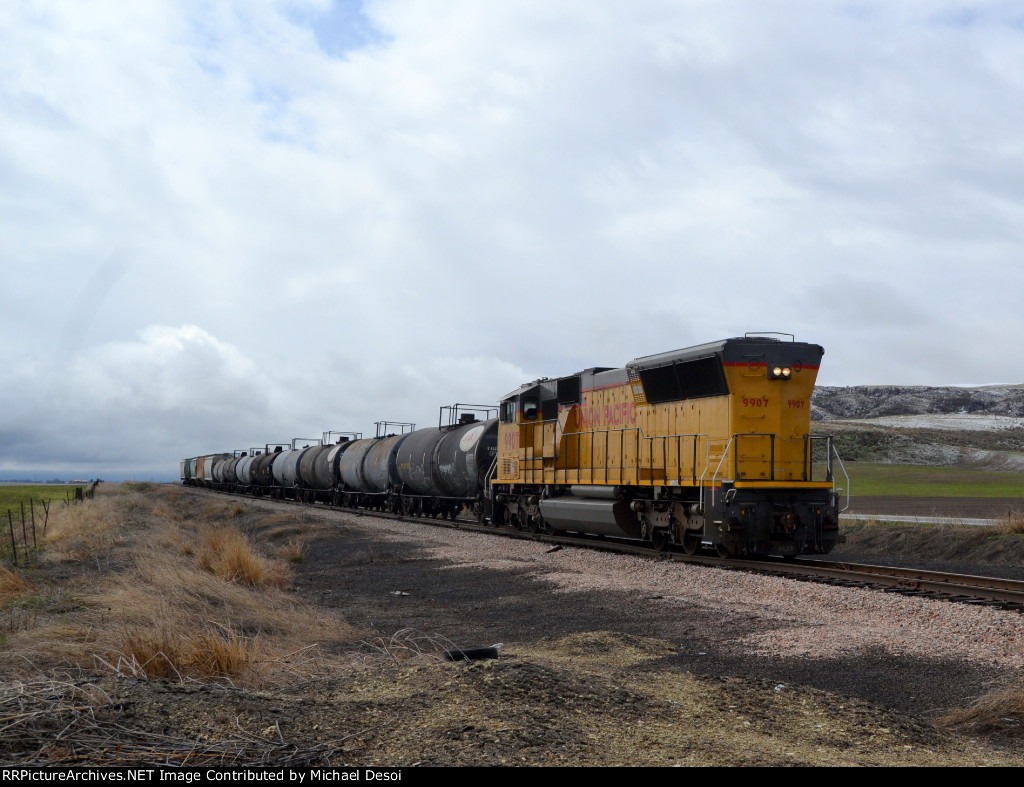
column 238, row 221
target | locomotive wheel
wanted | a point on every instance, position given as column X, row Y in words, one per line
column 659, row 540
column 691, row 543
column 722, row 550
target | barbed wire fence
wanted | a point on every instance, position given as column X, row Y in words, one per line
column 25, row 529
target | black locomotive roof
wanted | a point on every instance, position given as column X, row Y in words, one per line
column 740, row 349
column 743, row 349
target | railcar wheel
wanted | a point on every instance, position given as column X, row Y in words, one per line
column 691, row 542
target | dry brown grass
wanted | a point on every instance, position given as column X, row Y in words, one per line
column 11, row 584
column 165, row 585
column 167, row 652
column 294, row 550
column 176, row 619
column 1014, row 524
column 1000, row 714
column 228, row 553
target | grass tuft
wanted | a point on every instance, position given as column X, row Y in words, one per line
column 11, row 584
column 227, row 553
column 168, row 652
column 1014, row 524
column 1001, row 714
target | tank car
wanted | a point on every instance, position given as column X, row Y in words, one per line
column 243, row 474
column 261, row 470
column 708, row 446
column 442, row 470
column 288, row 482
column 367, row 473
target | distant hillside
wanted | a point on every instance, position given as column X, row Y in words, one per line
column 971, row 427
column 875, row 401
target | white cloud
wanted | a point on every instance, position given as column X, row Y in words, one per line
column 367, row 189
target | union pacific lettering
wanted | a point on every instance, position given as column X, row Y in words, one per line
column 607, row 416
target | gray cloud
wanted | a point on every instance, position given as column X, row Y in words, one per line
column 256, row 221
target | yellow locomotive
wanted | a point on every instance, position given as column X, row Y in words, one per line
column 705, row 446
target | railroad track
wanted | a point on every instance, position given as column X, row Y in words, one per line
column 961, row 588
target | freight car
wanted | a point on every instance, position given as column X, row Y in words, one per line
column 708, row 446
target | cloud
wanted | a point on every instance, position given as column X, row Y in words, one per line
column 342, row 195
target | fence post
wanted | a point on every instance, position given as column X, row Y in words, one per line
column 46, row 519
column 24, row 533
column 10, row 527
column 32, row 510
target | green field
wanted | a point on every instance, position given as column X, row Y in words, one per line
column 920, row 481
column 13, row 495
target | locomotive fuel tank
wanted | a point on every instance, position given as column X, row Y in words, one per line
column 591, row 513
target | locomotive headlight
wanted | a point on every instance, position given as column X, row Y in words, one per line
column 786, row 371
column 780, row 373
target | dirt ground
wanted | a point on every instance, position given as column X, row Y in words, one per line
column 590, row 678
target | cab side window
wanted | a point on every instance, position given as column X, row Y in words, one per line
column 529, row 409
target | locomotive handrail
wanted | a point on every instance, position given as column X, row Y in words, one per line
column 601, row 438
column 843, row 468
column 596, row 435
column 713, row 477
column 488, row 477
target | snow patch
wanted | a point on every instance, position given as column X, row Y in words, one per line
column 950, row 421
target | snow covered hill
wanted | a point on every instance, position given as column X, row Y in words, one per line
column 980, row 427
